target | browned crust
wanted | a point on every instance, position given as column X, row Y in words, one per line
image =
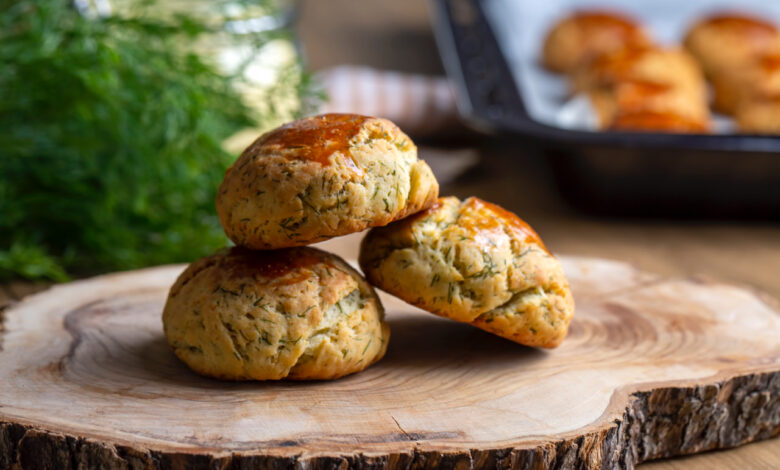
column 321, row 177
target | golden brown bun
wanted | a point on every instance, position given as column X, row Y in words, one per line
column 654, row 121
column 321, row 177
column 297, row 313
column 639, row 79
column 756, row 80
column 473, row 262
column 621, row 106
column 727, row 41
column 666, row 66
column 759, row 116
column 582, row 36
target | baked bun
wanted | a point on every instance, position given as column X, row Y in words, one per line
column 632, row 103
column 658, row 121
column 297, row 313
column 756, row 80
column 726, row 41
column 759, row 116
column 473, row 262
column 672, row 67
column 587, row 34
column 321, row 177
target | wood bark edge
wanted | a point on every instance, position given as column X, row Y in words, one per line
column 664, row 422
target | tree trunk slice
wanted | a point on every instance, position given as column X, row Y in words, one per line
column 653, row 367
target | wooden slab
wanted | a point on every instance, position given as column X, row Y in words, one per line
column 653, row 367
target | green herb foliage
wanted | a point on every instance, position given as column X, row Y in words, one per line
column 110, row 141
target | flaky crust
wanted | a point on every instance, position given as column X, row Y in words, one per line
column 584, row 35
column 727, row 41
column 476, row 263
column 321, row 177
column 297, row 313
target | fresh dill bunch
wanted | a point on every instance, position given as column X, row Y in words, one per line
column 111, row 133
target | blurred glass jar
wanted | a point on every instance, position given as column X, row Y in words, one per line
column 251, row 41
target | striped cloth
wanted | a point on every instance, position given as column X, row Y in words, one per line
column 421, row 106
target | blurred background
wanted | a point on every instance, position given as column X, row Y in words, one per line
column 120, row 117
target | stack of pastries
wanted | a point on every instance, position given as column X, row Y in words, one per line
column 636, row 85
column 273, row 308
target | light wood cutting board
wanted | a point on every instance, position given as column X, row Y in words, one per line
column 653, row 367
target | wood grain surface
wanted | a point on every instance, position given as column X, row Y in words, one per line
column 653, row 367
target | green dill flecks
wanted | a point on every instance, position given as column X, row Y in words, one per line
column 344, row 353
column 366, row 348
column 446, row 254
column 450, row 290
column 263, row 336
column 224, row 291
column 287, row 341
column 328, row 271
column 305, row 200
column 488, row 268
column 341, row 310
column 303, row 314
column 387, row 204
column 376, row 191
column 289, row 226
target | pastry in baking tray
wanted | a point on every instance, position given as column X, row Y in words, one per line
column 671, row 66
column 759, row 116
column 586, row 34
column 296, row 313
column 657, row 121
column 640, row 98
column 728, row 40
column 473, row 262
column 321, row 177
column 754, row 81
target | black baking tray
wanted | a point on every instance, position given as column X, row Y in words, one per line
column 617, row 173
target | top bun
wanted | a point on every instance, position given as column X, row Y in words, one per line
column 727, row 41
column 322, row 177
column 581, row 37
